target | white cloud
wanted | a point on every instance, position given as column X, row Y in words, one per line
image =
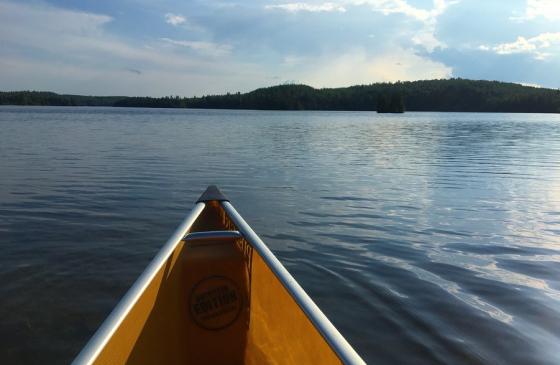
column 385, row 7
column 535, row 45
column 65, row 36
column 46, row 19
column 425, row 37
column 81, row 37
column 357, row 67
column 208, row 48
column 293, row 60
column 521, row 45
column 89, row 80
column 174, row 19
column 531, row 84
column 178, row 20
column 314, row 8
column 388, row 7
column 49, row 48
column 548, row 9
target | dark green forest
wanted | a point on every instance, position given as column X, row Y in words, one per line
column 458, row 95
column 50, row 98
column 390, row 103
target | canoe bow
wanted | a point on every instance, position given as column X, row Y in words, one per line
column 216, row 294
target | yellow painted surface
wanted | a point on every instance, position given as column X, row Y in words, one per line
column 280, row 332
column 216, row 303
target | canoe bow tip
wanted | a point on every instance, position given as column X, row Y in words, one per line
column 212, row 193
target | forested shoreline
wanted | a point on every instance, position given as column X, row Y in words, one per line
column 458, row 95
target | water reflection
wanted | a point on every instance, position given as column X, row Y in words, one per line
column 427, row 238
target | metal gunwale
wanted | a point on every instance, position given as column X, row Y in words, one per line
column 337, row 342
column 92, row 349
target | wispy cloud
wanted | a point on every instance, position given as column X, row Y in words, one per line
column 201, row 47
column 80, row 37
column 292, row 60
column 49, row 48
column 538, row 86
column 47, row 19
column 388, row 7
column 174, row 19
column 357, row 67
column 536, row 46
column 547, row 9
column 425, row 37
column 314, row 8
column 385, row 7
column 207, row 48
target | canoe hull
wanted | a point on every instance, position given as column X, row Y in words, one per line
column 213, row 301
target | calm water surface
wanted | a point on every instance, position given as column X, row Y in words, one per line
column 427, row 238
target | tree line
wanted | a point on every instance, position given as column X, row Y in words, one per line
column 50, row 98
column 457, row 95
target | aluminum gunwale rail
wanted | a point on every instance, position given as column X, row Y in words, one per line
column 337, row 342
column 90, row 352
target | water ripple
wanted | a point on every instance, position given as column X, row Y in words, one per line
column 428, row 238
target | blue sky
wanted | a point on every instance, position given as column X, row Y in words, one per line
column 159, row 47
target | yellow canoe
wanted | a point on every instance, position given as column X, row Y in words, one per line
column 215, row 294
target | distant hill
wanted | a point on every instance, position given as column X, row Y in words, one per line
column 458, row 95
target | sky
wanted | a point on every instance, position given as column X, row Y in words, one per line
column 201, row 47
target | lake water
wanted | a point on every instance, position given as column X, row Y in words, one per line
column 427, row 238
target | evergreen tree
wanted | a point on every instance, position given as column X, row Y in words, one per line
column 382, row 103
column 397, row 103
column 432, row 95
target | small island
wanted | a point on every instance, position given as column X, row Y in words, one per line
column 446, row 95
column 393, row 103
